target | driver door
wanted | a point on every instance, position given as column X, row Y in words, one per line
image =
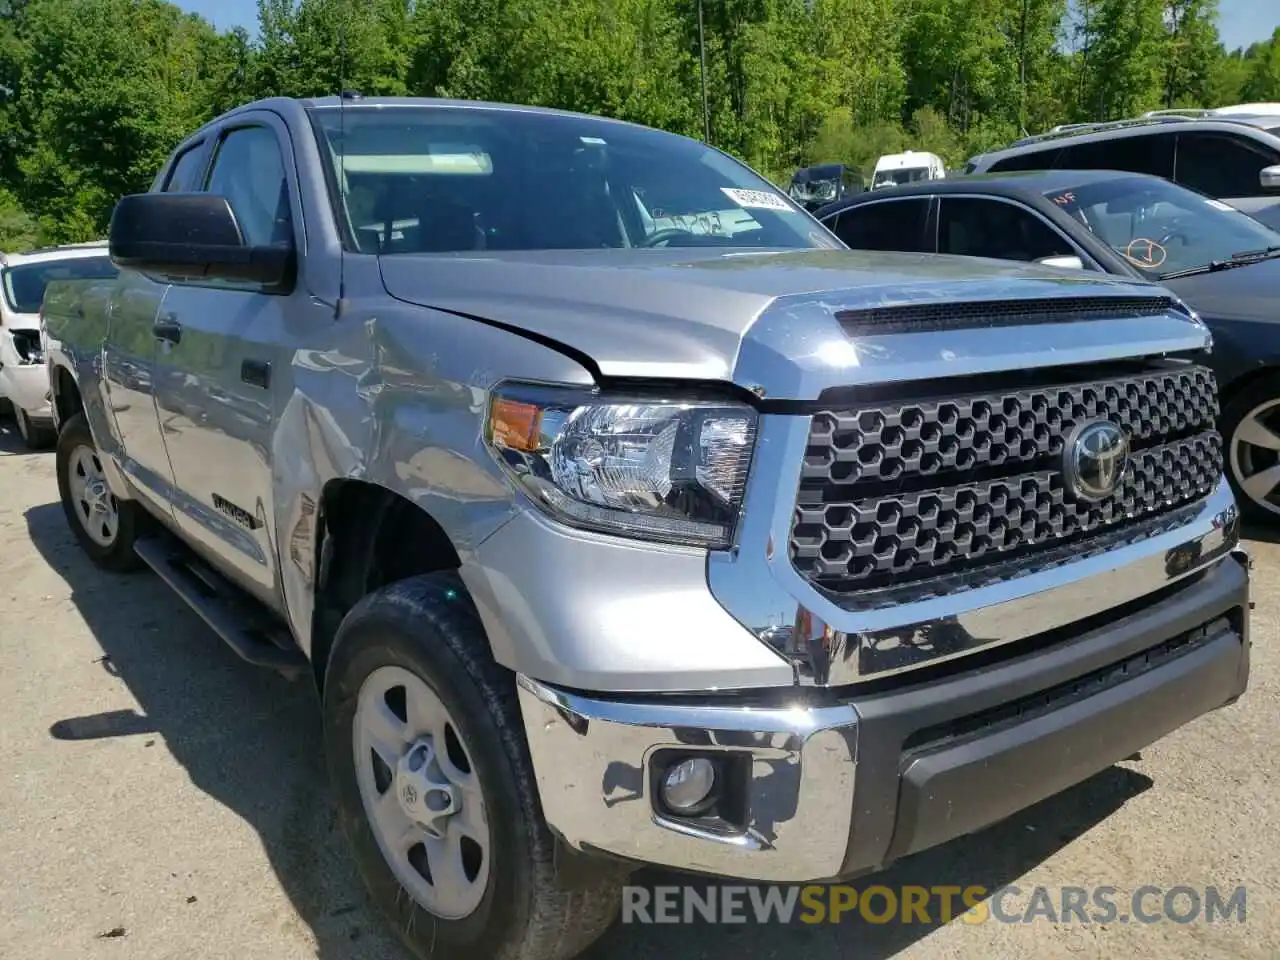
column 220, row 365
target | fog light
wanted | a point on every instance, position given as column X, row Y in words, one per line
column 687, row 785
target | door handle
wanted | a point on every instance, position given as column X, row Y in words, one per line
column 256, row 373
column 167, row 328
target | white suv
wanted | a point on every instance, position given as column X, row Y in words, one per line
column 24, row 382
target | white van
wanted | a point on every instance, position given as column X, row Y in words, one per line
column 24, row 381
column 897, row 168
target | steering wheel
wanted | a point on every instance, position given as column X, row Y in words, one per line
column 665, row 235
column 1174, row 234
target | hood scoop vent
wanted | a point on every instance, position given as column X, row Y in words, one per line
column 925, row 317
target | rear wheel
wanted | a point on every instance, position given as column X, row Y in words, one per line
column 106, row 527
column 1251, row 426
column 435, row 787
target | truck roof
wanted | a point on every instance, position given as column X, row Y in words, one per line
column 360, row 102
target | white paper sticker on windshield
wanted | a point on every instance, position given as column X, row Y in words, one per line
column 1219, row 205
column 756, row 199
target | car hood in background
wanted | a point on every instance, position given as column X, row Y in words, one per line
column 1251, row 292
column 681, row 313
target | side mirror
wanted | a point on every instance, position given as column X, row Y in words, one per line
column 1269, row 177
column 1069, row 262
column 193, row 236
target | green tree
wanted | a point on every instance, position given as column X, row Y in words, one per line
column 1263, row 81
column 1192, row 53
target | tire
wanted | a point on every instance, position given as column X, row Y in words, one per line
column 1248, row 420
column 428, row 627
column 35, row 437
column 111, row 553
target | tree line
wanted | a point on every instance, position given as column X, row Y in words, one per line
column 95, row 93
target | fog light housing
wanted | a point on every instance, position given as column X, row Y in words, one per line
column 688, row 787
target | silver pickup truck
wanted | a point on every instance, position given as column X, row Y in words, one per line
column 622, row 517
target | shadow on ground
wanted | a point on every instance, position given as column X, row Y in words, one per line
column 251, row 741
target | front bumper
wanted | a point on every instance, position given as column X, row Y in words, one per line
column 27, row 386
column 842, row 782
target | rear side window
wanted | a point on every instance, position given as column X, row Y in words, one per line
column 1222, row 165
column 1035, row 160
column 184, row 175
column 1149, row 153
column 886, row 225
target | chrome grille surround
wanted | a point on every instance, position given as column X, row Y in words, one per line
column 894, row 494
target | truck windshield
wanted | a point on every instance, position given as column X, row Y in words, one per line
column 889, row 178
column 1162, row 228
column 413, row 179
column 24, row 284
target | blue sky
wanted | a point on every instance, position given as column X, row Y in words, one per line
column 1240, row 22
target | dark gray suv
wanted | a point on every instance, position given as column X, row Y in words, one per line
column 1234, row 159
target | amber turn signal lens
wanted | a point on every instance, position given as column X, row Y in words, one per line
column 514, row 425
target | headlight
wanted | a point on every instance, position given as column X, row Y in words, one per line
column 659, row 470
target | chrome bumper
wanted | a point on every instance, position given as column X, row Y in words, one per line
column 842, row 784
column 592, row 763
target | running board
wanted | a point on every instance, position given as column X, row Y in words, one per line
column 217, row 603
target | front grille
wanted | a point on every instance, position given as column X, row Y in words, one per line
column 896, row 493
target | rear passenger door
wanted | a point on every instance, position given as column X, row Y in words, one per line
column 129, row 354
column 1227, row 167
column 899, row 224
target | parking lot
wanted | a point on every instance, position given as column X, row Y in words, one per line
column 162, row 799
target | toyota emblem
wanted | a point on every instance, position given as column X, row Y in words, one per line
column 1095, row 459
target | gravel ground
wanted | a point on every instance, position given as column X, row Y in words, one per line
column 162, row 799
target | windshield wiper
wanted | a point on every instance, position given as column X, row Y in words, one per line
column 1243, row 258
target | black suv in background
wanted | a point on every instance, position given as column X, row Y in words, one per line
column 1221, row 262
column 1235, row 159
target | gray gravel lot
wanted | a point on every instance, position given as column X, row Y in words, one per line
column 161, row 799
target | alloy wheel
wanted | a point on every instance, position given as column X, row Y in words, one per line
column 421, row 793
column 1255, row 455
column 95, row 504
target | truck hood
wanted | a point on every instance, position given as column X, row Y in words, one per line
column 686, row 314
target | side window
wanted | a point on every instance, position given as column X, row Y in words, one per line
column 249, row 172
column 1035, row 160
column 887, row 225
column 184, row 174
column 1148, row 153
column 973, row 227
column 1222, row 165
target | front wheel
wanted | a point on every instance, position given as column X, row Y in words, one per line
column 106, row 527
column 35, row 436
column 435, row 787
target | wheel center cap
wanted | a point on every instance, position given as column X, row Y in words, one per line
column 424, row 793
column 96, row 495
